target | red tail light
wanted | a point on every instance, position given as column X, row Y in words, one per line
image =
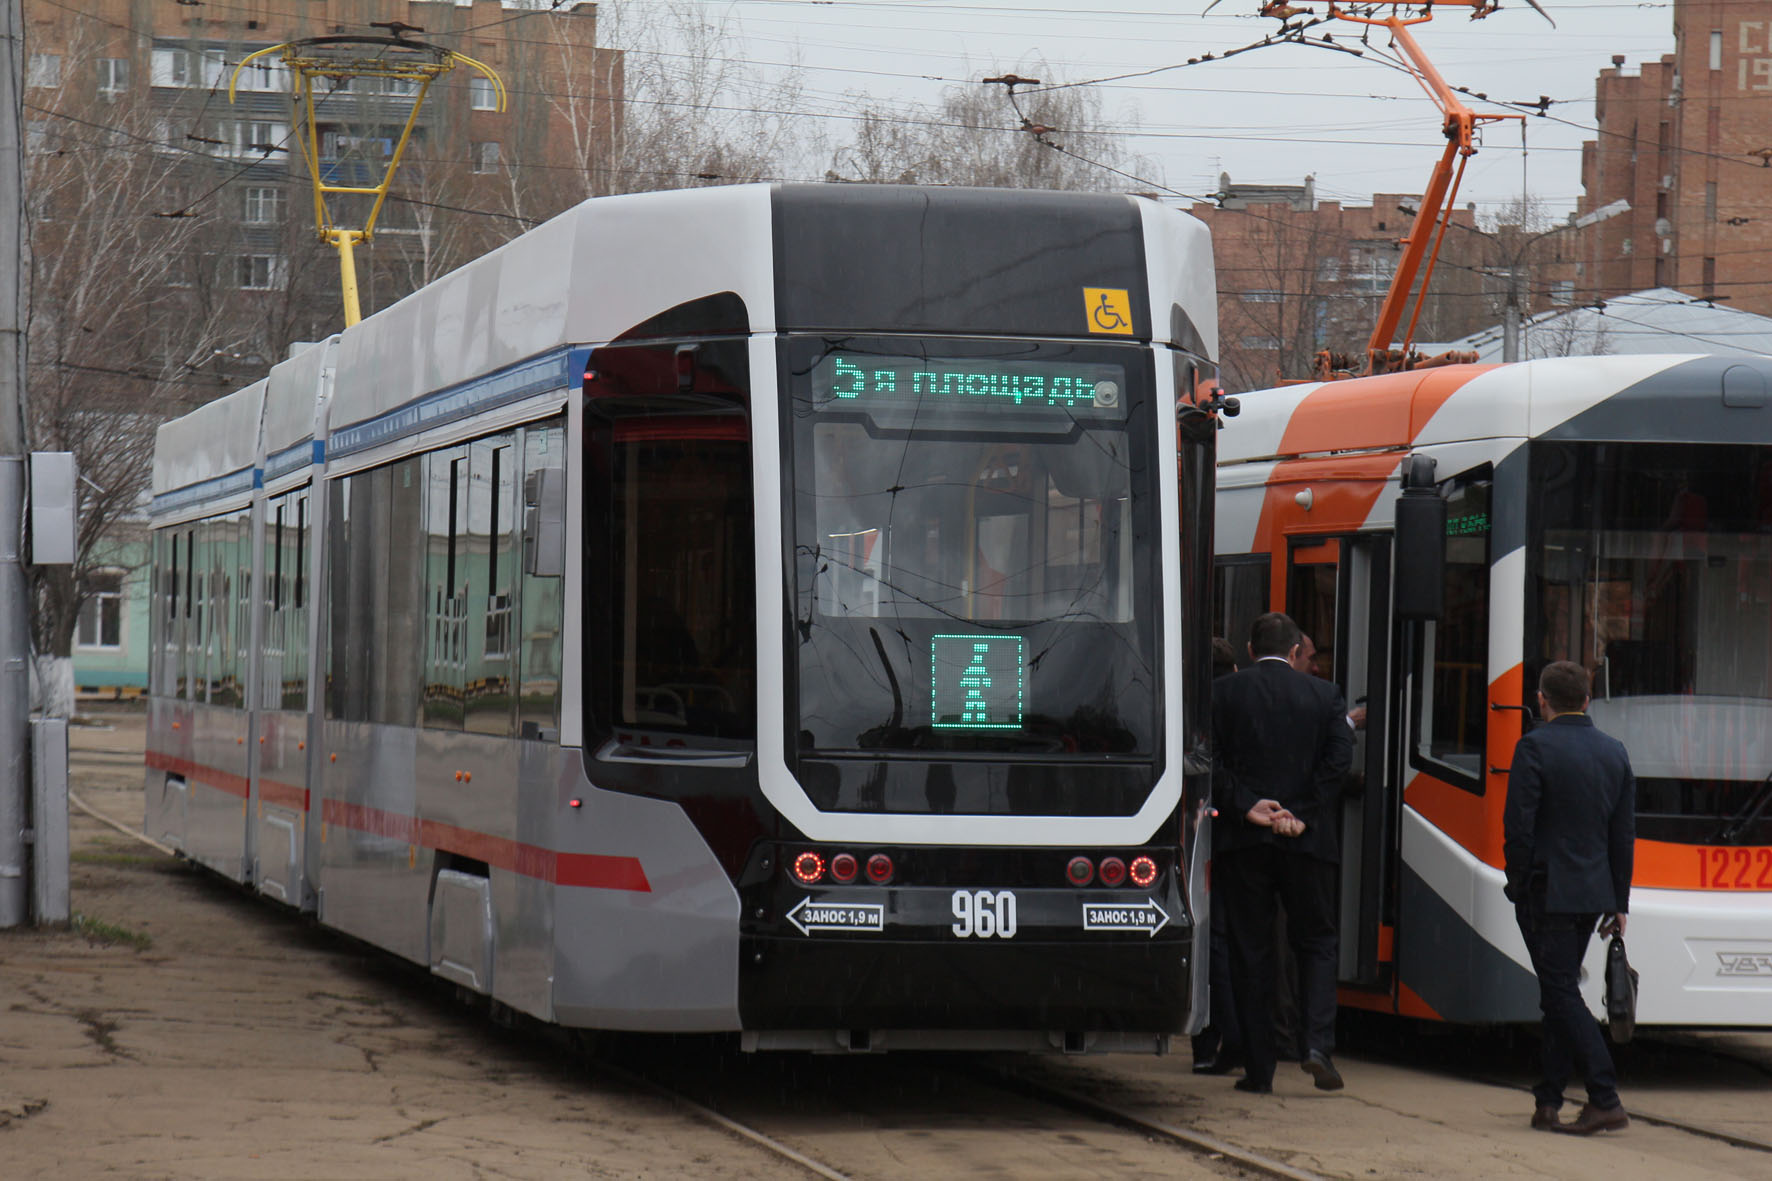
column 843, row 868
column 1144, row 872
column 808, row 867
column 1080, row 871
column 1113, row 871
column 879, row 869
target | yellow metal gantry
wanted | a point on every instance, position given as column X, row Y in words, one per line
column 341, row 60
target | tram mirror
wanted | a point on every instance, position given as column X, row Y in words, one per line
column 1420, row 591
column 544, row 522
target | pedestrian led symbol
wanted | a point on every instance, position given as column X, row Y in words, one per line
column 1109, row 310
column 976, row 682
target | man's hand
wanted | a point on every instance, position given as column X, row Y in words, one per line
column 1288, row 825
column 1264, row 812
column 1613, row 924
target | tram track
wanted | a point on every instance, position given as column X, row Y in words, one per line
column 1189, row 1138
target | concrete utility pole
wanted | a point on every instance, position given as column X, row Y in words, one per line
column 1511, row 336
column 15, row 620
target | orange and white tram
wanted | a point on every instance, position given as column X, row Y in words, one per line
column 1615, row 511
column 768, row 609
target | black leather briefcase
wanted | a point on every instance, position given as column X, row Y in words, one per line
column 1621, row 992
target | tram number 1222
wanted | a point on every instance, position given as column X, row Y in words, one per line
column 1713, row 870
column 984, row 913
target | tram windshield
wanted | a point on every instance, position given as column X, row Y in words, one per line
column 1655, row 573
column 975, row 546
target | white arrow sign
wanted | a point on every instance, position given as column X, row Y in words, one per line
column 1125, row 916
column 810, row 916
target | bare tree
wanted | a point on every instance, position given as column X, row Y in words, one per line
column 1054, row 138
column 108, row 353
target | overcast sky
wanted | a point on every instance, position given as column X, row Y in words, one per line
column 1272, row 116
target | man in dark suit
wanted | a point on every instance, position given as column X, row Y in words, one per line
column 1570, row 835
column 1218, row 1048
column 1281, row 745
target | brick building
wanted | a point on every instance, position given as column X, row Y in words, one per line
column 1296, row 275
column 113, row 81
column 174, row 253
column 1685, row 139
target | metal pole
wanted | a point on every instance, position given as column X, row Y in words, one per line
column 1510, row 325
column 15, row 620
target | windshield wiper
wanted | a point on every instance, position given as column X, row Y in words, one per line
column 1735, row 831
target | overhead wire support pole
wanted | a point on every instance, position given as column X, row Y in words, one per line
column 341, row 60
column 15, row 620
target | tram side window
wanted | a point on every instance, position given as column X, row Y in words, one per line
column 295, row 607
column 540, row 599
column 285, row 647
column 671, row 585
column 487, row 707
column 446, row 576
column 376, row 618
column 1451, row 674
column 160, row 622
column 184, row 580
column 1240, row 590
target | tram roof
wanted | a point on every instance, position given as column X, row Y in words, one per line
column 215, row 440
column 1701, row 398
column 527, row 299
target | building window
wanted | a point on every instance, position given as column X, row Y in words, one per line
column 1710, row 200
column 482, row 96
column 264, row 206
column 171, row 67
column 263, row 75
column 1716, row 49
column 36, row 137
column 1260, row 343
column 486, row 156
column 1710, row 276
column 260, row 272
column 1563, row 292
column 252, row 139
column 1261, row 297
column 113, row 76
column 101, row 616
column 44, row 71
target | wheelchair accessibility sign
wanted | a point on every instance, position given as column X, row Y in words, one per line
column 1109, row 310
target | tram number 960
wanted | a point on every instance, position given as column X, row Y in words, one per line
column 984, row 914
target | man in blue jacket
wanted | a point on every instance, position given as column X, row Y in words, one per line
column 1570, row 832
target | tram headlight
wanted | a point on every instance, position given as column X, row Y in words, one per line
column 808, row 868
column 1144, row 872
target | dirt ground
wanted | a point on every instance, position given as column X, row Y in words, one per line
column 183, row 1029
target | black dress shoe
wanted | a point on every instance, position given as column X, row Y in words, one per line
column 1596, row 1119
column 1218, row 1064
column 1320, row 1068
column 1545, row 1118
column 1252, row 1087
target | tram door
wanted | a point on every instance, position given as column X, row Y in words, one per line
column 1338, row 589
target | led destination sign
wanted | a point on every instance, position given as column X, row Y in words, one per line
column 872, row 379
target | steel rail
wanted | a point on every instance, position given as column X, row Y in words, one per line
column 1189, row 1138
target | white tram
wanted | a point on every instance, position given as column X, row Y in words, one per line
column 774, row 609
column 1615, row 511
